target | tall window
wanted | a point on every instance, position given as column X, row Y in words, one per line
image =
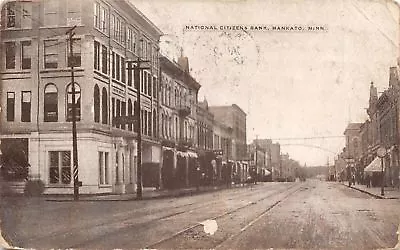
column 96, row 102
column 26, row 17
column 130, row 72
column 96, row 61
column 26, row 106
column 113, row 65
column 77, row 102
column 104, row 105
column 103, row 19
column 11, row 15
column 154, row 87
column 50, row 12
column 130, row 125
column 154, row 123
column 103, row 168
column 117, row 67
column 10, row 55
column 149, row 85
column 74, row 13
column 10, row 106
column 136, row 112
column 26, row 54
column 50, row 103
column 104, row 59
column 50, row 54
column 123, row 112
column 96, row 15
column 60, row 167
column 75, row 59
column 123, row 70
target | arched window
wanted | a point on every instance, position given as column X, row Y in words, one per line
column 162, row 125
column 176, row 128
column 96, row 102
column 170, row 126
column 50, row 103
column 130, row 113
column 104, row 106
column 77, row 102
column 154, row 123
column 145, row 121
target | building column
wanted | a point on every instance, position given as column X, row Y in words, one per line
column 120, row 165
column 34, row 158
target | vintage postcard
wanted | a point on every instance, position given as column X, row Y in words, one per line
column 217, row 124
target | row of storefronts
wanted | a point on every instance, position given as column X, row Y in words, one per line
column 359, row 161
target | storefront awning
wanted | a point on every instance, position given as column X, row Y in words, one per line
column 374, row 166
column 267, row 172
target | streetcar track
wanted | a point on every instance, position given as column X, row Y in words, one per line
column 155, row 220
column 132, row 212
column 152, row 245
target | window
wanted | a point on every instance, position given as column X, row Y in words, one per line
column 154, row 87
column 103, row 19
column 149, row 129
column 136, row 81
column 113, row 110
column 26, row 21
column 117, row 67
column 129, row 37
column 104, row 105
column 96, row 15
column 10, row 55
column 10, row 106
column 118, row 111
column 136, row 112
column 103, row 168
column 123, row 70
column 154, row 123
column 26, row 52
column 113, row 65
column 50, row 54
column 123, row 112
column 130, row 71
column 50, row 12
column 149, row 85
column 11, row 16
column 73, row 13
column 50, row 103
column 74, row 60
column 104, row 57
column 77, row 102
column 96, row 55
column 96, row 102
column 130, row 125
column 60, row 167
column 26, row 106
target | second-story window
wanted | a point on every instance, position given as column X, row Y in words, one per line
column 50, row 54
column 26, row 54
column 10, row 55
column 11, row 15
column 10, row 106
column 77, row 102
column 104, row 59
column 96, row 55
column 75, row 59
column 26, row 106
column 26, row 15
column 74, row 13
column 51, row 12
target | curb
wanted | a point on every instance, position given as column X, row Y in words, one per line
column 376, row 196
column 162, row 196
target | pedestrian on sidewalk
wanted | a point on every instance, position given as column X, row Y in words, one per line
column 368, row 181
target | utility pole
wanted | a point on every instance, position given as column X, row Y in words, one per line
column 137, row 68
column 71, row 61
column 256, row 158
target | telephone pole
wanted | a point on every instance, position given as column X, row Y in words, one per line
column 71, row 61
column 137, row 68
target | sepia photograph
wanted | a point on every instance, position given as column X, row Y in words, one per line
column 200, row 124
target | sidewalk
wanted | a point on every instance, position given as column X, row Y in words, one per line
column 147, row 193
column 390, row 192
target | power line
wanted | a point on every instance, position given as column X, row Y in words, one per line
column 307, row 138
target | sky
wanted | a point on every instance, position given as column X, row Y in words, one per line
column 297, row 85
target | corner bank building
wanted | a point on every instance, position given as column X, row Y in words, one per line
column 36, row 92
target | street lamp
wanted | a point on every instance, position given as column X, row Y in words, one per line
column 381, row 152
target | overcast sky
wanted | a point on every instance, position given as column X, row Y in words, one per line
column 290, row 84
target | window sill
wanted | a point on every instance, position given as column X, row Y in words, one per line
column 105, row 185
